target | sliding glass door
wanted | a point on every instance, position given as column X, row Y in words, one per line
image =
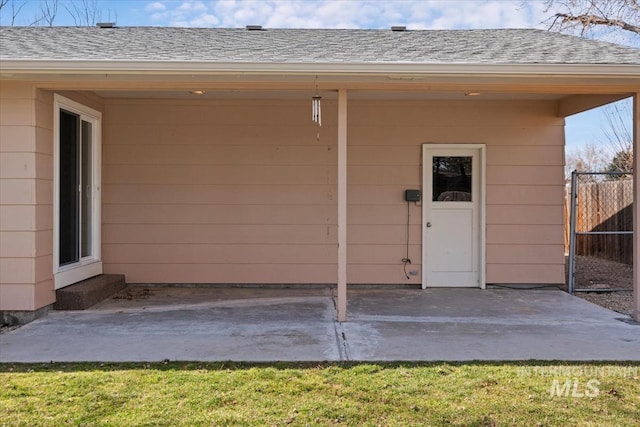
column 77, row 250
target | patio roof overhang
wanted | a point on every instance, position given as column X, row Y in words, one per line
column 578, row 87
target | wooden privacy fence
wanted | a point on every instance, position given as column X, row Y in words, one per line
column 604, row 204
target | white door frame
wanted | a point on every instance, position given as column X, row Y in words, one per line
column 482, row 206
column 91, row 265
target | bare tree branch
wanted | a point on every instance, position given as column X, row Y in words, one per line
column 15, row 11
column 587, row 16
column 618, row 136
column 591, row 20
column 49, row 10
column 37, row 19
column 590, row 157
column 84, row 12
column 613, row 151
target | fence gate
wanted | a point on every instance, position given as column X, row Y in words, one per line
column 600, row 232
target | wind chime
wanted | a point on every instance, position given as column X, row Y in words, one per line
column 316, row 110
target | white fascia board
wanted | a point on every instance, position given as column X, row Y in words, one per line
column 396, row 68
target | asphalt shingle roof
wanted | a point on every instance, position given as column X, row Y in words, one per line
column 501, row 46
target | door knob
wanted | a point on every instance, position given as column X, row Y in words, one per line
column 428, row 224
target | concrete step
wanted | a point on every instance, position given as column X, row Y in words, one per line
column 83, row 295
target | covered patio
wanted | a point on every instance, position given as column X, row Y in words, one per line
column 250, row 324
column 207, row 166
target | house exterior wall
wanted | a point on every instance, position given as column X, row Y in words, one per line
column 26, row 197
column 525, row 158
column 240, row 191
column 219, row 192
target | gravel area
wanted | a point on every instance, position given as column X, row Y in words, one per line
column 616, row 301
column 599, row 274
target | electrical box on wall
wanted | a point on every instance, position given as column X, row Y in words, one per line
column 412, row 195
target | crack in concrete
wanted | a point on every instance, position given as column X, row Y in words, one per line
column 341, row 337
column 343, row 344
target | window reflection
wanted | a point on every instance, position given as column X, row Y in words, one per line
column 452, row 179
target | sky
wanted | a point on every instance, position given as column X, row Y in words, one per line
column 414, row 14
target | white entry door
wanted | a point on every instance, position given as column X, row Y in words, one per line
column 453, row 215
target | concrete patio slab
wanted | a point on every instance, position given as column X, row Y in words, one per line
column 494, row 324
column 258, row 324
column 208, row 324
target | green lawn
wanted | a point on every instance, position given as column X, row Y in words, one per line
column 173, row 394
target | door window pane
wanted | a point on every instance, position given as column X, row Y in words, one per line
column 85, row 193
column 68, row 191
column 452, row 179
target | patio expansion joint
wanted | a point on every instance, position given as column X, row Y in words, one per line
column 341, row 336
column 343, row 344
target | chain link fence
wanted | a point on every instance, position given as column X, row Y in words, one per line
column 600, row 240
